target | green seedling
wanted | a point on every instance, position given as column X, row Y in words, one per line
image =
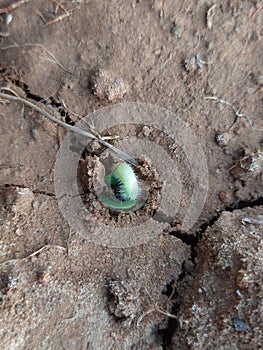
column 124, row 185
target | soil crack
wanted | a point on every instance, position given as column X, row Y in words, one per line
column 193, row 240
column 38, row 192
column 53, row 102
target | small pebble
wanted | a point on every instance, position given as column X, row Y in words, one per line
column 34, row 133
column 240, row 325
column 259, row 79
column 253, row 163
column 189, row 266
column 222, row 139
column 9, row 18
column 239, row 293
column 146, row 131
column 176, row 31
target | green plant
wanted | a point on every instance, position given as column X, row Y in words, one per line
column 124, row 185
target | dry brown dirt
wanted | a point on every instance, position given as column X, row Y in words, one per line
column 200, row 289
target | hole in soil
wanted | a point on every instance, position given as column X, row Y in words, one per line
column 4, row 283
column 188, row 239
column 91, row 174
column 245, row 204
column 168, row 332
column 96, row 162
column 92, row 169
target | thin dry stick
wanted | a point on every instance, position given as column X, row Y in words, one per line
column 120, row 153
column 154, row 310
column 67, row 109
column 171, row 295
column 4, row 34
column 41, row 16
column 58, row 5
column 13, row 6
column 236, row 111
column 257, row 9
column 48, row 246
column 238, row 162
column 163, row 1
column 43, row 48
column 166, row 313
column 58, row 19
column 54, row 160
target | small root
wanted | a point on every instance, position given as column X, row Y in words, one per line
column 45, row 247
column 236, row 111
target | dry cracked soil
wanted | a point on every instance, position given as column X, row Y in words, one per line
column 179, row 289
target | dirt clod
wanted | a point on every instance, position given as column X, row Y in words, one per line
column 106, row 86
column 125, row 299
column 228, row 274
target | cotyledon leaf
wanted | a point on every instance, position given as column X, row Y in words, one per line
column 124, row 184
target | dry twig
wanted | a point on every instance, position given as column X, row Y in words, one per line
column 43, row 48
column 58, row 5
column 57, row 152
column 73, row 128
column 210, row 16
column 59, row 18
column 45, row 247
column 236, row 111
column 155, row 309
column 4, row 34
column 41, row 16
column 13, row 6
column 256, row 11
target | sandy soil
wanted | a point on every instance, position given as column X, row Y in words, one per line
column 194, row 289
